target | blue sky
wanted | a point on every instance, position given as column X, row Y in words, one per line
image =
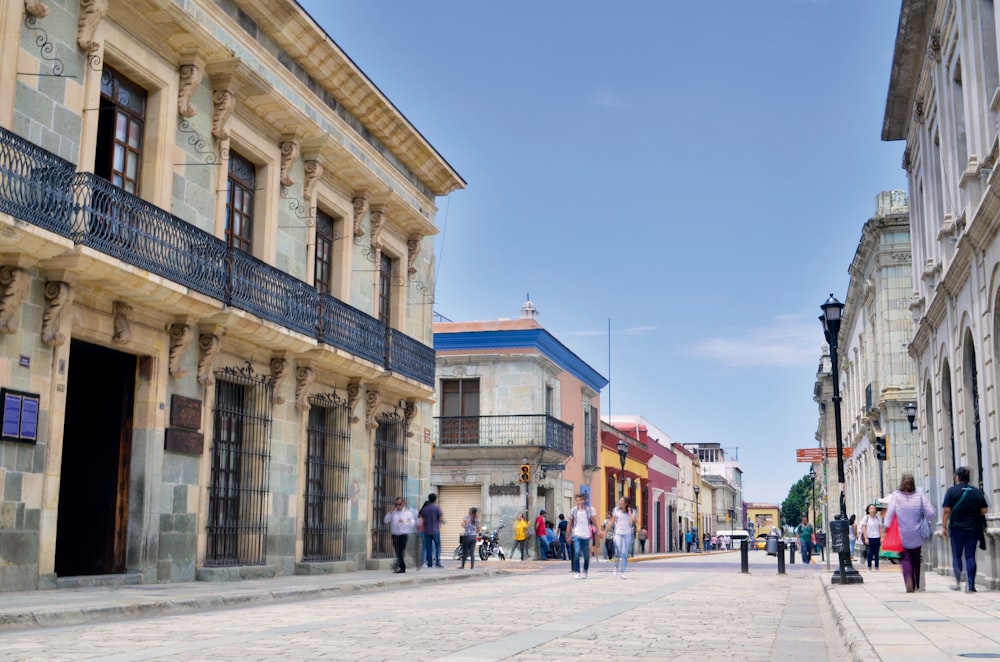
column 698, row 173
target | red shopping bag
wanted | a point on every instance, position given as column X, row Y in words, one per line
column 892, row 543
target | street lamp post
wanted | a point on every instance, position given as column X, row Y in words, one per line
column 833, row 310
column 622, row 454
column 812, row 502
column 697, row 522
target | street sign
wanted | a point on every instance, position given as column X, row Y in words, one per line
column 814, row 455
column 553, row 467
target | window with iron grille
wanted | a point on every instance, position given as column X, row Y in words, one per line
column 460, row 412
column 238, row 489
column 590, row 425
column 121, row 117
column 239, row 203
column 324, row 251
column 388, row 481
column 327, row 461
column 385, row 289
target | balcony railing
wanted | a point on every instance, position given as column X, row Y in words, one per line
column 42, row 189
column 515, row 430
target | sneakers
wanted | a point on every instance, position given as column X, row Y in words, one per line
column 971, row 589
column 584, row 575
column 956, row 587
column 615, row 572
column 622, row 575
column 576, row 575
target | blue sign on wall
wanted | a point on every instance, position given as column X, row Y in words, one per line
column 20, row 416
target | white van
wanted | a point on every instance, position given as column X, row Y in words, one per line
column 736, row 536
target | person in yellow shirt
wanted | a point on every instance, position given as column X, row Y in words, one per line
column 520, row 536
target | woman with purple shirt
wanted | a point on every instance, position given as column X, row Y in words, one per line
column 909, row 505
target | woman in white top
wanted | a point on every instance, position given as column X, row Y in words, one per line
column 621, row 523
column 871, row 533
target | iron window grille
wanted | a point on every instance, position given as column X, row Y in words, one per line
column 238, row 492
column 327, row 463
column 389, row 479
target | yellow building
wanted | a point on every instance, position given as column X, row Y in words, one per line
column 763, row 517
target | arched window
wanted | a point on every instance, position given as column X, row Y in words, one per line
column 973, row 447
column 948, row 459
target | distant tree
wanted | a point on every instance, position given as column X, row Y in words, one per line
column 795, row 504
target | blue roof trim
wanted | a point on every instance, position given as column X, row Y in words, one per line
column 538, row 339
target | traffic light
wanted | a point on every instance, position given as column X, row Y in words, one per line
column 881, row 448
column 525, row 473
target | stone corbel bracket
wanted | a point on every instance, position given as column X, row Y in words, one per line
column 412, row 251
column 289, row 152
column 353, row 397
column 377, row 223
column 229, row 78
column 36, row 8
column 58, row 297
column 304, row 378
column 16, row 284
column 189, row 77
column 209, row 344
column 409, row 414
column 123, row 332
column 91, row 14
column 181, row 335
column 360, row 209
column 279, row 371
column 372, row 400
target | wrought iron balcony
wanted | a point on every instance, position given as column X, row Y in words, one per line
column 495, row 431
column 40, row 188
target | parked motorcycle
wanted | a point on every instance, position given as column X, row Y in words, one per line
column 490, row 545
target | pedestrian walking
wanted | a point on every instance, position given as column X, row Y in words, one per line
column 688, row 539
column 470, row 530
column 852, row 533
column 963, row 515
column 432, row 519
column 909, row 505
column 620, row 525
column 871, row 535
column 609, row 541
column 401, row 523
column 541, row 542
column 805, row 533
column 520, row 536
column 563, row 537
column 643, row 535
column 583, row 529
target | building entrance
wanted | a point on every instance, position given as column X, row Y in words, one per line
column 97, row 442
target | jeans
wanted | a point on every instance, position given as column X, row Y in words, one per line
column 806, row 550
column 432, row 548
column 520, row 545
column 623, row 547
column 871, row 552
column 963, row 544
column 563, row 548
column 399, row 543
column 469, row 549
column 543, row 548
column 581, row 547
column 909, row 562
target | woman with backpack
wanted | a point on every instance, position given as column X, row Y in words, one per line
column 871, row 534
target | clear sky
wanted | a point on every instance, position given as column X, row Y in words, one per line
column 693, row 174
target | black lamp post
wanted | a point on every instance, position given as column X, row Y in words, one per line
column 697, row 521
column 622, row 454
column 911, row 414
column 812, row 502
column 833, row 311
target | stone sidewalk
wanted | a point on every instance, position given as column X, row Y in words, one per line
column 877, row 619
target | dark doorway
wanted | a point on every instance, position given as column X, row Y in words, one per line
column 97, row 443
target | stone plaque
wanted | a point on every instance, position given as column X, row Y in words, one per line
column 185, row 412
column 184, row 441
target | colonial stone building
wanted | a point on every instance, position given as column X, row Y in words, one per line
column 215, row 295
column 510, row 395
column 876, row 373
column 944, row 93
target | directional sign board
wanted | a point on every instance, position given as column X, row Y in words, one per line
column 814, row 455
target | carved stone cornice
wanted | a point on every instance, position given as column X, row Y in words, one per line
column 372, row 400
column 360, row 209
column 123, row 332
column 36, row 8
column 304, row 378
column 353, row 397
column 934, row 45
column 223, row 104
column 58, row 297
column 209, row 345
column 377, row 223
column 907, row 163
column 91, row 14
column 412, row 250
column 289, row 152
column 229, row 78
column 15, row 283
column 181, row 335
column 918, row 110
column 409, row 414
column 189, row 76
column 279, row 371
column 313, row 172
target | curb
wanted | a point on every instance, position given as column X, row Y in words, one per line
column 853, row 636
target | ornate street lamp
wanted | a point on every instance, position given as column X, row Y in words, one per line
column 911, row 414
column 622, row 454
column 812, row 502
column 697, row 521
column 833, row 311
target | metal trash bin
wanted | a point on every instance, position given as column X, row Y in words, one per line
column 771, row 544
